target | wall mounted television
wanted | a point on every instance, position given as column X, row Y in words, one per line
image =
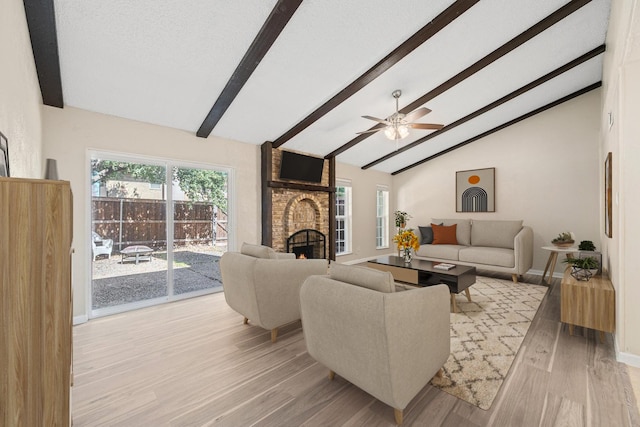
column 301, row 167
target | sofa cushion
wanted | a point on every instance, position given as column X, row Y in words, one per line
column 258, row 251
column 489, row 256
column 448, row 252
column 426, row 234
column 381, row 281
column 444, row 234
column 499, row 234
column 463, row 230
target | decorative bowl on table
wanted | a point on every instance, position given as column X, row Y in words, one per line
column 564, row 244
column 564, row 240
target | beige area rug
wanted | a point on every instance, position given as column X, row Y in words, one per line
column 485, row 337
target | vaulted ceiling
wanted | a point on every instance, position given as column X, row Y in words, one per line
column 303, row 73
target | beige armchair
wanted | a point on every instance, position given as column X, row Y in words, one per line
column 264, row 286
column 389, row 344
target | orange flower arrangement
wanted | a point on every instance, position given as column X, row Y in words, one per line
column 406, row 239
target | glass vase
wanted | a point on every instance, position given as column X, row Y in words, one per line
column 407, row 255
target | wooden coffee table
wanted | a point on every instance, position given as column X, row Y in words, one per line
column 422, row 273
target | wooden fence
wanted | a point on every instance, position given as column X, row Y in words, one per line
column 143, row 222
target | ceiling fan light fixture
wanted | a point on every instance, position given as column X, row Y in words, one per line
column 396, row 126
column 395, row 132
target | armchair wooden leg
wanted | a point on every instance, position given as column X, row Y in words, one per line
column 274, row 334
column 246, row 321
column 514, row 277
column 332, row 375
column 398, row 415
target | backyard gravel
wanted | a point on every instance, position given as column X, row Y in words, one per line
column 115, row 283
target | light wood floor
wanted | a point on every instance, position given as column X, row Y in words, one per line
column 193, row 363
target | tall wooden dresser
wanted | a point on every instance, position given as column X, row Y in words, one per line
column 35, row 302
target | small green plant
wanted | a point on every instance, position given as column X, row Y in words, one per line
column 587, row 245
column 564, row 237
column 401, row 218
column 587, row 263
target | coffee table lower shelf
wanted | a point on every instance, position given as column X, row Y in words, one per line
column 422, row 273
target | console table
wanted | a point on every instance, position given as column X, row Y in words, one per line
column 590, row 304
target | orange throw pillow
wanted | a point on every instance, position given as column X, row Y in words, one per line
column 444, row 234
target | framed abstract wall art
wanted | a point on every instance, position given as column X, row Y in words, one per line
column 475, row 190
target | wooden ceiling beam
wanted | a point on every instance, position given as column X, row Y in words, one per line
column 421, row 36
column 509, row 46
column 502, row 126
column 555, row 73
column 271, row 29
column 41, row 20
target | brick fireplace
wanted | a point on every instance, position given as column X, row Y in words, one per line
column 290, row 206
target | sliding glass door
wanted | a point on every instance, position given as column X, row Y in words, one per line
column 199, row 228
column 157, row 231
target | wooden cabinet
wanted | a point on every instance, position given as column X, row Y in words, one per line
column 590, row 304
column 35, row 304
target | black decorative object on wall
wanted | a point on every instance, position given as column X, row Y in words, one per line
column 4, row 156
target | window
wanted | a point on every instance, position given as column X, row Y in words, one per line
column 343, row 217
column 382, row 217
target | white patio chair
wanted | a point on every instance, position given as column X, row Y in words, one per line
column 101, row 246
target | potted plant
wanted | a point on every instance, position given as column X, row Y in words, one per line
column 588, row 249
column 587, row 245
column 564, row 240
column 401, row 219
column 583, row 268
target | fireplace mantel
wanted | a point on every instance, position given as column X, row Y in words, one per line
column 303, row 187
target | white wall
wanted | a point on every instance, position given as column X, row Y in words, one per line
column 70, row 133
column 364, row 185
column 621, row 98
column 20, row 97
column 547, row 174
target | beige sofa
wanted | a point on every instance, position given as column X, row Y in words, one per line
column 498, row 245
column 264, row 286
column 389, row 344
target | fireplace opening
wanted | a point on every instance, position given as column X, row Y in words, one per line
column 308, row 244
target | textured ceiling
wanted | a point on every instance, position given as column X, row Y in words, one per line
column 167, row 62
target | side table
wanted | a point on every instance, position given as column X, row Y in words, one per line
column 553, row 257
column 590, row 304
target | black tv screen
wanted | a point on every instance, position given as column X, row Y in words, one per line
column 300, row 167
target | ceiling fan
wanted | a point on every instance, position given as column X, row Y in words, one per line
column 397, row 125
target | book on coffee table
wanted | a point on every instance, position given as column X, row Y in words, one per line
column 443, row 266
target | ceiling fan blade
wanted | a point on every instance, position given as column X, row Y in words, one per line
column 425, row 126
column 375, row 119
column 416, row 114
column 369, row 131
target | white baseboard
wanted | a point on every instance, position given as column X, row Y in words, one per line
column 626, row 358
column 77, row 320
column 539, row 273
column 361, row 260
